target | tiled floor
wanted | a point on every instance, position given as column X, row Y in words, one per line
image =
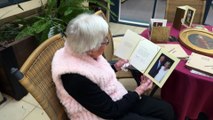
column 27, row 108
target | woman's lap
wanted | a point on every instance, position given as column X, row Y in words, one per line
column 135, row 116
column 154, row 107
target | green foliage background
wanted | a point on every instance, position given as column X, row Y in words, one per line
column 55, row 15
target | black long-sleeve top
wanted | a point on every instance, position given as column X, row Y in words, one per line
column 89, row 95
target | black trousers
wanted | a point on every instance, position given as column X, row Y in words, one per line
column 149, row 108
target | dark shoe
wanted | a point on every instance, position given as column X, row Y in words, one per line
column 187, row 118
column 202, row 116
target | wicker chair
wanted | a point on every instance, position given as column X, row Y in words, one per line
column 35, row 75
column 37, row 78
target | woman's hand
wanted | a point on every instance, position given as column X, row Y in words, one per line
column 120, row 63
column 146, row 84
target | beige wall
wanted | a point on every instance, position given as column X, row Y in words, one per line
column 9, row 13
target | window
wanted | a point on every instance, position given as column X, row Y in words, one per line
column 209, row 17
column 139, row 12
column 4, row 3
column 10, row 12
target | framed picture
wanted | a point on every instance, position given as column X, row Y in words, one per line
column 154, row 22
column 189, row 16
column 158, row 32
column 198, row 40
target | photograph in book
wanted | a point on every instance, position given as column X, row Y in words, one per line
column 144, row 55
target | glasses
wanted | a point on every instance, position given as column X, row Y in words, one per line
column 105, row 42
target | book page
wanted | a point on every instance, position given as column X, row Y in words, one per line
column 201, row 73
column 143, row 54
column 127, row 45
column 200, row 62
column 175, row 49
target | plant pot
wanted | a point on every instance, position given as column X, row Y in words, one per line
column 14, row 55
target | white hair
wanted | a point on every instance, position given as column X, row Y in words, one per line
column 86, row 32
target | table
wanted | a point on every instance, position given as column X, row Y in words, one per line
column 188, row 93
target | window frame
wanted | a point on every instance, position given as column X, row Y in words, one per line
column 11, row 12
column 11, row 2
column 116, row 10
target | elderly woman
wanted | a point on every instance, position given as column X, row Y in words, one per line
column 86, row 83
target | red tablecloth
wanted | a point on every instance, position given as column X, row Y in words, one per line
column 189, row 93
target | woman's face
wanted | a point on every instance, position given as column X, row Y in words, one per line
column 95, row 53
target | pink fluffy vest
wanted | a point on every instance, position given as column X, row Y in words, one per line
column 98, row 71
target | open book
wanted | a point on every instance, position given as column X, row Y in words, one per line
column 145, row 56
column 201, row 63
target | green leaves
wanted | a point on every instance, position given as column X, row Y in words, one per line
column 68, row 11
column 40, row 25
column 24, row 33
column 36, row 28
column 54, row 14
column 9, row 31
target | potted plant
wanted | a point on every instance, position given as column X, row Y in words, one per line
column 10, row 47
column 13, row 53
column 8, row 32
column 55, row 15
